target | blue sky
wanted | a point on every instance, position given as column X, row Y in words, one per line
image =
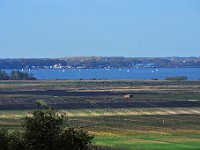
column 58, row 28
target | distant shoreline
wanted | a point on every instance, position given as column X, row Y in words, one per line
column 94, row 62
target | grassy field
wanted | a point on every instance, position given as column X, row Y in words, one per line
column 129, row 128
column 175, row 126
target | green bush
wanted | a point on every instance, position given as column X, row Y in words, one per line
column 4, row 139
column 75, row 139
column 44, row 130
column 11, row 141
column 177, row 78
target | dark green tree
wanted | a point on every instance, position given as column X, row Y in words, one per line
column 75, row 139
column 4, row 75
column 4, row 139
column 11, row 141
column 44, row 130
column 17, row 75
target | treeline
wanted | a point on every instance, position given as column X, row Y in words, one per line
column 16, row 75
column 28, row 63
column 102, row 62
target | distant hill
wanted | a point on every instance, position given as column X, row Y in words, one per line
column 101, row 62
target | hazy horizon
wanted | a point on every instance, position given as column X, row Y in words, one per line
column 96, row 56
column 38, row 57
column 129, row 28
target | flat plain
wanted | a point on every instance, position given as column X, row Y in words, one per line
column 160, row 115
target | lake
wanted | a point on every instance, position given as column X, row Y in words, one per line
column 114, row 74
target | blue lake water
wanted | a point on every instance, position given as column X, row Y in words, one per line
column 113, row 74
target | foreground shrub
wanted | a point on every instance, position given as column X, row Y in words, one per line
column 44, row 131
column 11, row 141
column 4, row 139
column 74, row 139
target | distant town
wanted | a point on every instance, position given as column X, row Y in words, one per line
column 94, row 62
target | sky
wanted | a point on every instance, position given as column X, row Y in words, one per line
column 130, row 28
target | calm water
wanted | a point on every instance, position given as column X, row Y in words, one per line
column 133, row 73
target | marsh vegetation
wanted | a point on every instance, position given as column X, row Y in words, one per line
column 163, row 114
